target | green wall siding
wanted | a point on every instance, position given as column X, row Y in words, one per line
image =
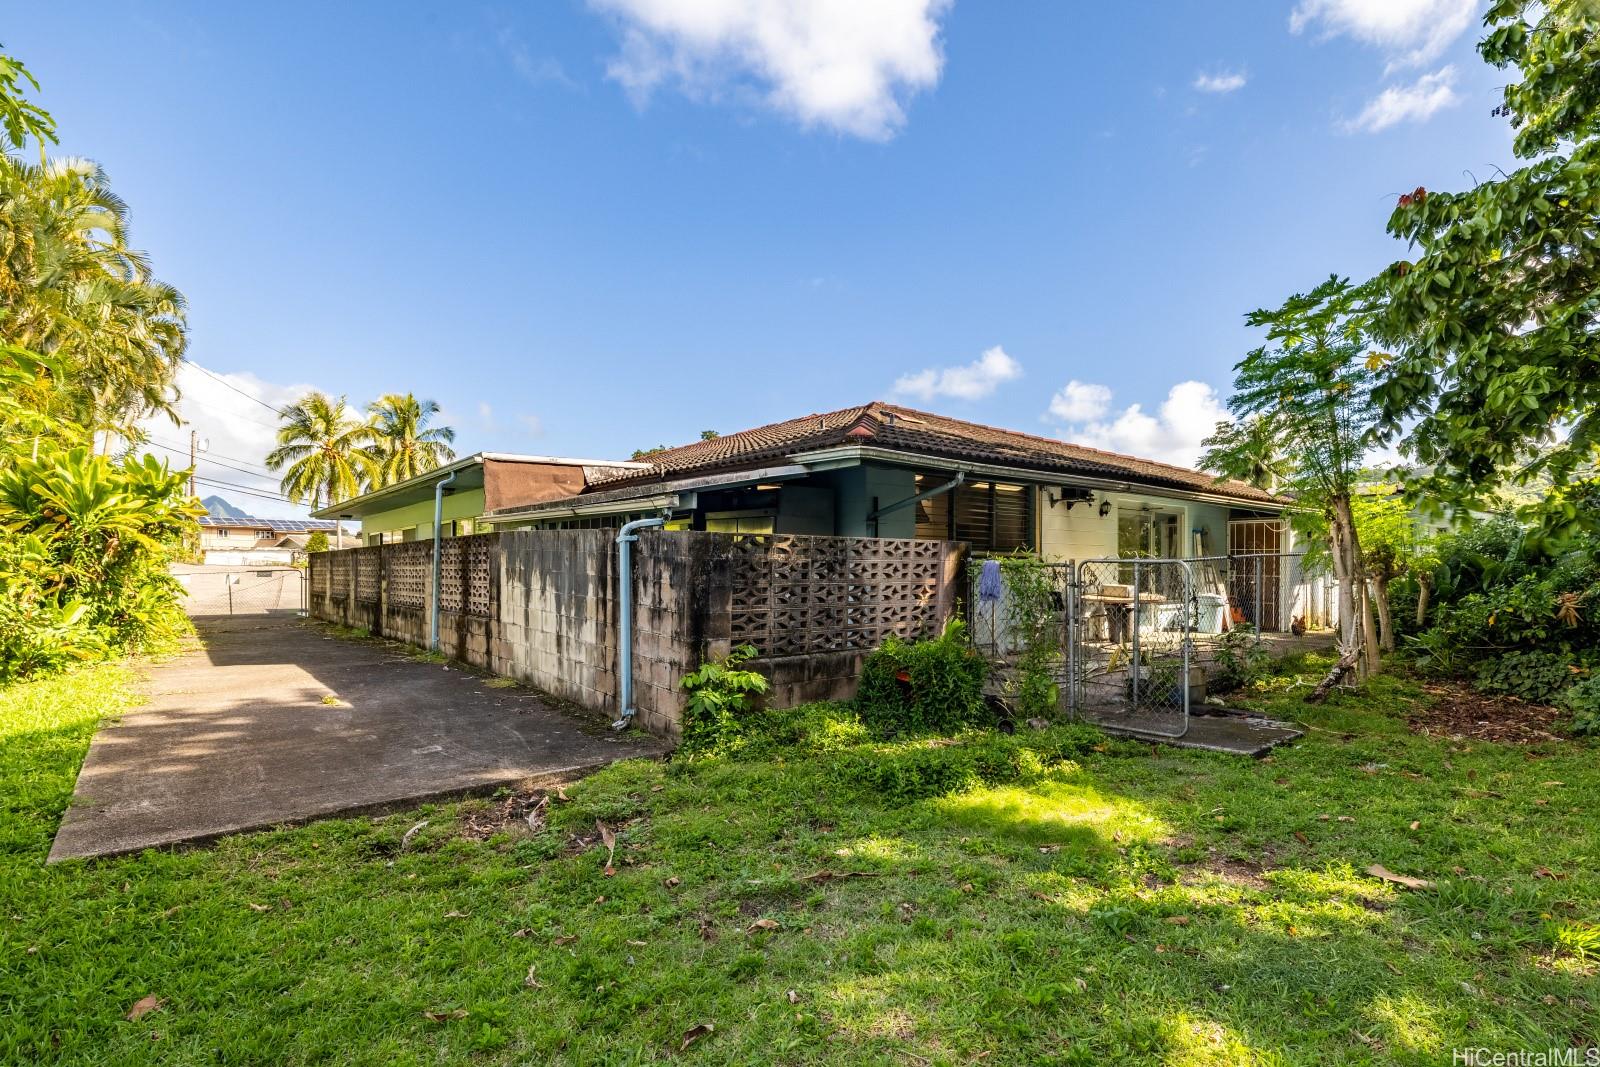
column 467, row 504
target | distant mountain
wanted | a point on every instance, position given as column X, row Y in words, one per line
column 219, row 508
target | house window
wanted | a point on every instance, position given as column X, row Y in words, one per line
column 741, row 522
column 990, row 516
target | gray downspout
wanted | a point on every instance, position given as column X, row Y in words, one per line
column 625, row 537
column 438, row 550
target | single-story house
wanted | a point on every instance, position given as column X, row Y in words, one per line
column 882, row 470
column 473, row 487
column 243, row 540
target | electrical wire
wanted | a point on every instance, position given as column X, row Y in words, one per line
column 227, row 384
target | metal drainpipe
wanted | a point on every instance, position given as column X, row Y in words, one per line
column 625, row 537
column 438, row 550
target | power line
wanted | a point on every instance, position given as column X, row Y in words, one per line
column 202, row 458
column 222, row 381
column 253, row 490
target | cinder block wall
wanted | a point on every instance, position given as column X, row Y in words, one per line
column 541, row 606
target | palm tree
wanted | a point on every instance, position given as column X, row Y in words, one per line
column 71, row 288
column 322, row 443
column 404, row 445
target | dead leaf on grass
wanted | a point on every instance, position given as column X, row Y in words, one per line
column 794, row 998
column 1416, row 824
column 762, row 924
column 608, row 839
column 1176, row 920
column 405, row 838
column 673, row 882
column 1384, row 874
column 144, row 1006
column 455, row 915
column 695, row 1033
column 259, row 907
column 565, row 939
column 1546, row 872
column 530, row 981
column 561, row 794
column 1302, row 838
column 444, row 1016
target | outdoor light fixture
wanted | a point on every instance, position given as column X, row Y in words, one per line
column 1105, row 508
column 1070, row 497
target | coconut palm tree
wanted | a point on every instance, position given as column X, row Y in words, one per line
column 404, row 444
column 70, row 287
column 323, row 445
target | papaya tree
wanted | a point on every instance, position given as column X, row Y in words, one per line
column 1309, row 389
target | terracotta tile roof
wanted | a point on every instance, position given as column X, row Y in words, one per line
column 903, row 429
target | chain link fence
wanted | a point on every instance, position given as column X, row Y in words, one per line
column 211, row 591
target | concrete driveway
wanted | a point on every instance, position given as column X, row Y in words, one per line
column 271, row 721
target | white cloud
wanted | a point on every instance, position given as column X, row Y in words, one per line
column 238, row 433
column 846, row 65
column 1416, row 102
column 1220, row 82
column 1411, row 32
column 1173, row 434
column 533, row 425
column 535, row 70
column 1081, row 402
column 971, row 381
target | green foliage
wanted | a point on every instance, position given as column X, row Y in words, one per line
column 1033, row 624
column 317, row 542
column 719, row 692
column 1541, row 677
column 1583, row 700
column 1238, row 660
column 1494, row 316
column 404, row 445
column 932, row 685
column 83, row 564
column 20, row 118
column 324, row 450
column 919, row 770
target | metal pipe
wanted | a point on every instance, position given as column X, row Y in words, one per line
column 438, row 521
column 937, row 490
column 625, row 537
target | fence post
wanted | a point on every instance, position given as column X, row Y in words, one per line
column 1259, row 561
column 229, row 583
column 1133, row 666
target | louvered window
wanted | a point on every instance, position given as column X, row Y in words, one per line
column 990, row 516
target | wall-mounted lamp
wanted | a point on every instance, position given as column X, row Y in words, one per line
column 1105, row 508
column 1069, row 497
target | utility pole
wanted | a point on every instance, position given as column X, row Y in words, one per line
column 193, row 440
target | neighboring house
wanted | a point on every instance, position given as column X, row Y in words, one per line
column 242, row 540
column 474, row 486
column 881, row 470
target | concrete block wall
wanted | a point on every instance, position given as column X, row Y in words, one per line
column 555, row 619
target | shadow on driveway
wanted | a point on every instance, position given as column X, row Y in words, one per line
column 270, row 721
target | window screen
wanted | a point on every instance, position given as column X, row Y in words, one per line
column 990, row 516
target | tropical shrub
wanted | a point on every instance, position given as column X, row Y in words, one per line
column 719, row 691
column 1238, row 660
column 1541, row 677
column 1583, row 700
column 932, row 685
column 83, row 568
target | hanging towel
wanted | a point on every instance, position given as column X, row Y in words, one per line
column 989, row 581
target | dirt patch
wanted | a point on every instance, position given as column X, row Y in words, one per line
column 518, row 811
column 1458, row 710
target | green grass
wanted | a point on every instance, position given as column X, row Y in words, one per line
column 1069, row 900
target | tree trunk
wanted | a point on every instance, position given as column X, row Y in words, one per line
column 1357, row 632
column 1346, row 664
column 1424, row 594
column 1380, row 600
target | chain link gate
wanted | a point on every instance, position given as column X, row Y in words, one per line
column 1129, row 647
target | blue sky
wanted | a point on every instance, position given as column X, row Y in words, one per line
column 589, row 227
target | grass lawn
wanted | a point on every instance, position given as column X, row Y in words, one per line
column 1053, row 898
